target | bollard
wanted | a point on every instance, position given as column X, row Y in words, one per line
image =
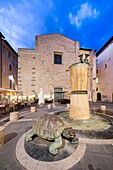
column 1, row 135
column 68, row 106
column 14, row 116
column 33, row 109
column 49, row 106
column 103, row 108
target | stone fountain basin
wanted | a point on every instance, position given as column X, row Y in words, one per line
column 98, row 127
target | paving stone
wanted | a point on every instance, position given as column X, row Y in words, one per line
column 96, row 162
column 101, row 150
column 79, row 165
column 13, row 166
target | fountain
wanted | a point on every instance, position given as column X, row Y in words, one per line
column 79, row 106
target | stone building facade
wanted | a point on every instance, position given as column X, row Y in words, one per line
column 47, row 66
column 8, row 65
column 104, row 62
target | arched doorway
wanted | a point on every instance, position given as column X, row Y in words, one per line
column 98, row 96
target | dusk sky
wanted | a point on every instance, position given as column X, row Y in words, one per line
column 90, row 21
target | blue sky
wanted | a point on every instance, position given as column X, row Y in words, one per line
column 90, row 21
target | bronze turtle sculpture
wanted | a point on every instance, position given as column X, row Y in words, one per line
column 51, row 127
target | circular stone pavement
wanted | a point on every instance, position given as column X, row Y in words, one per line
column 30, row 163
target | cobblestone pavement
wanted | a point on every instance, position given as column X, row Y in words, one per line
column 96, row 157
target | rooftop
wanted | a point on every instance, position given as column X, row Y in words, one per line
column 104, row 46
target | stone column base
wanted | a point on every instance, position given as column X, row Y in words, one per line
column 79, row 107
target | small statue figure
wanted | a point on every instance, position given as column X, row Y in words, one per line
column 84, row 58
column 51, row 127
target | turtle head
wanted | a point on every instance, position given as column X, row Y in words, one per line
column 69, row 133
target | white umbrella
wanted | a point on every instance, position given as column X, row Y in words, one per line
column 41, row 97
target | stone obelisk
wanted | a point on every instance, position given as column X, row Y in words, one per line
column 79, row 105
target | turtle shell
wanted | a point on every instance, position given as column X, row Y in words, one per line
column 48, row 126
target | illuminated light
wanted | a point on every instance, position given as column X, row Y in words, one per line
column 96, row 80
column 11, row 77
column 47, row 96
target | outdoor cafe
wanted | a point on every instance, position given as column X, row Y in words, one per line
column 13, row 100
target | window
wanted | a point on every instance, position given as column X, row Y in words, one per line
column 57, row 59
column 10, row 67
column 10, row 84
column 105, row 66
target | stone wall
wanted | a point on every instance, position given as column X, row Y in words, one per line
column 6, row 60
column 105, row 73
column 36, row 68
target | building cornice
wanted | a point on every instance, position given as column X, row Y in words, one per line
column 104, row 46
column 11, row 48
column 1, row 35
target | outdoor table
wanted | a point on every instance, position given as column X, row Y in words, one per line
column 16, row 106
column 25, row 104
column 2, row 108
column 22, row 104
column 28, row 104
column 19, row 105
column 11, row 106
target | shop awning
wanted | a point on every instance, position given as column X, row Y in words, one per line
column 3, row 90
